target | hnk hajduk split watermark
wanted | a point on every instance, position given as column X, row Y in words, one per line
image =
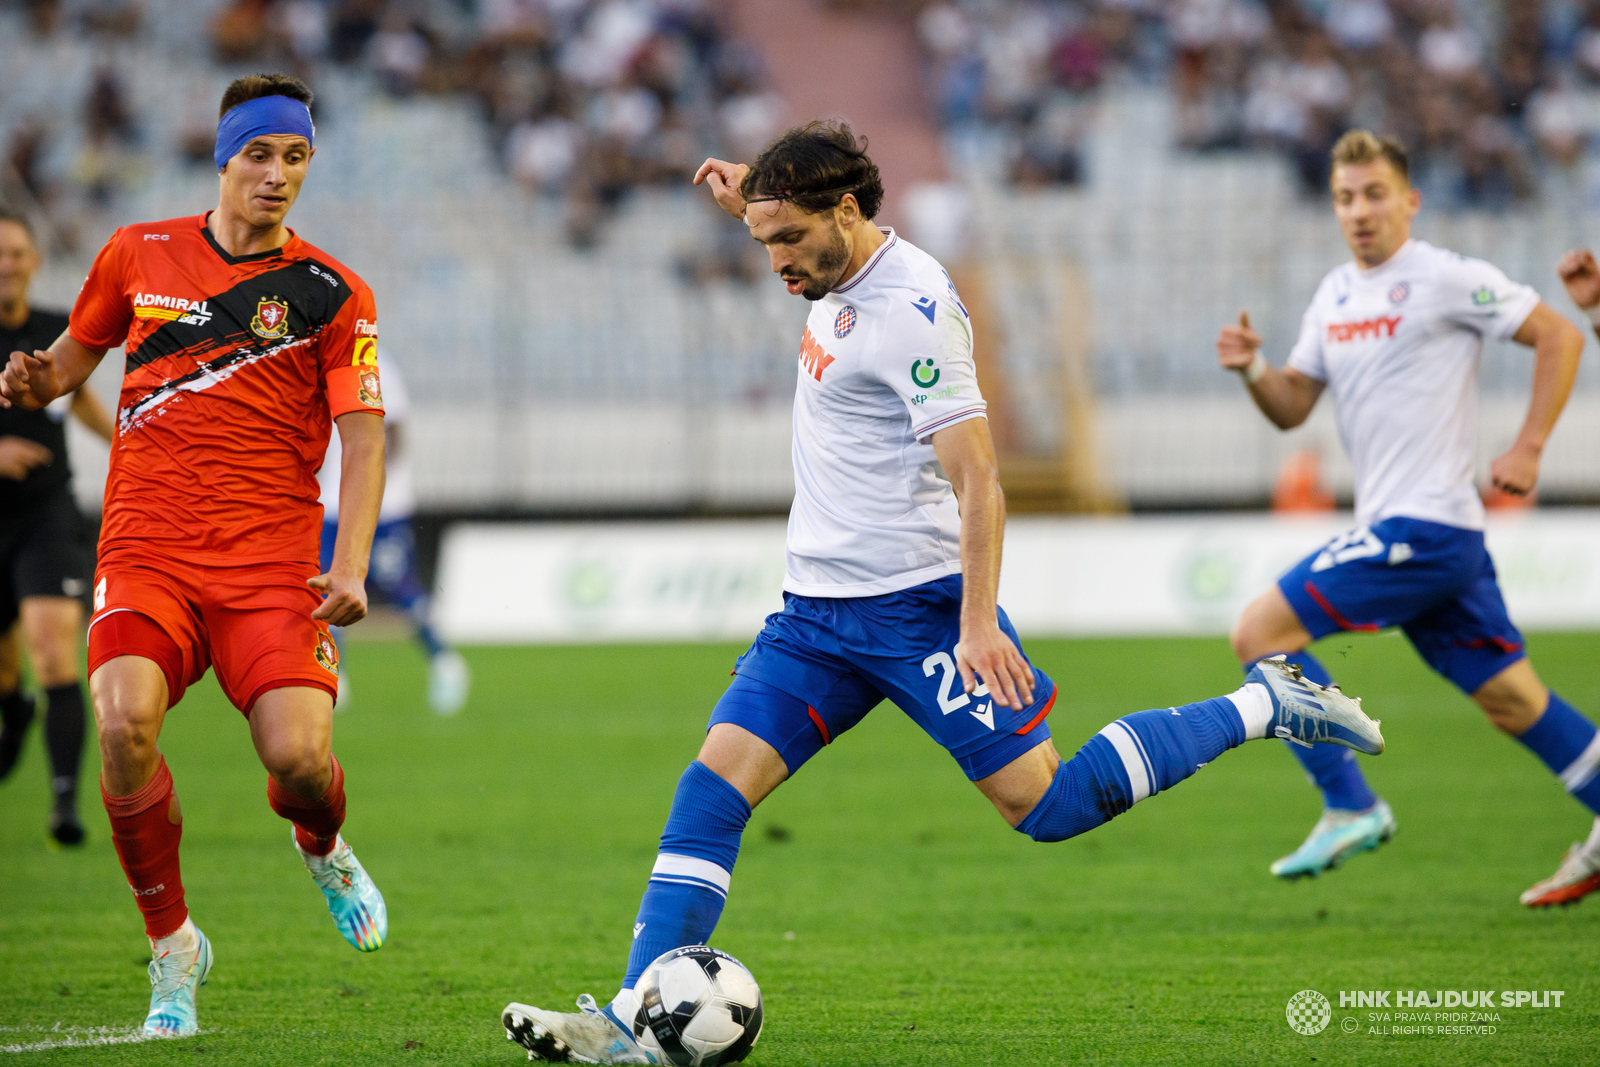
column 1400, row 1012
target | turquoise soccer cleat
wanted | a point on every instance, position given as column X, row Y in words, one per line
column 353, row 898
column 174, row 977
column 1337, row 836
column 1306, row 713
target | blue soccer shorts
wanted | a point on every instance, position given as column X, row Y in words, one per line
column 822, row 663
column 1436, row 582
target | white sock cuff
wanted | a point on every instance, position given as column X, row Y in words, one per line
column 691, row 870
column 184, row 939
column 1254, row 705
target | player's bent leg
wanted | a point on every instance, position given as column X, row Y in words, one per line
column 50, row 627
column 292, row 727
column 1569, row 745
column 1267, row 626
column 1141, row 754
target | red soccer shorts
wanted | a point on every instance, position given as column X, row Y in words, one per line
column 252, row 623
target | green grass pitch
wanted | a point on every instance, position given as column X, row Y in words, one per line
column 890, row 915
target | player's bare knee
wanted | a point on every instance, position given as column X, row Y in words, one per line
column 301, row 766
column 124, row 737
column 1509, row 712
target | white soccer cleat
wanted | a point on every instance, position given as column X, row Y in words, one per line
column 449, row 682
column 1337, row 836
column 1576, row 878
column 175, row 974
column 589, row 1035
column 1305, row 712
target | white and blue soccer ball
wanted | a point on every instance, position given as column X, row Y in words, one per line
column 698, row 1007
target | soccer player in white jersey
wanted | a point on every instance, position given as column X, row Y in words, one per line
column 1394, row 336
column 890, row 587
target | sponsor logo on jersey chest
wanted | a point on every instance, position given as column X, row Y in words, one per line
column 271, row 319
column 1398, row 294
column 1366, row 330
column 844, row 322
column 171, row 309
column 812, row 357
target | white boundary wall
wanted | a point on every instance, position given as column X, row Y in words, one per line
column 688, row 581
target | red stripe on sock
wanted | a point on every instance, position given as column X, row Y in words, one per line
column 1039, row 718
column 147, row 840
column 316, row 822
column 1333, row 613
column 822, row 727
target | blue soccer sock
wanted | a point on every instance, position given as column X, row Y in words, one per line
column 1331, row 768
column 689, row 885
column 1135, row 757
column 1570, row 746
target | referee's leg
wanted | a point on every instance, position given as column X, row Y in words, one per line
column 50, row 629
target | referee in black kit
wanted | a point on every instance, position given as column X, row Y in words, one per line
column 45, row 562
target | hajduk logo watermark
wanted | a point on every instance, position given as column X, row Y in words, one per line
column 1308, row 1012
column 1398, row 1012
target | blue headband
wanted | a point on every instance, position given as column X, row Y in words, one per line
column 257, row 118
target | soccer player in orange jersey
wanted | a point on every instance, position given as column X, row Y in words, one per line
column 244, row 346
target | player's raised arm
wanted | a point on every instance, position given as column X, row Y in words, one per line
column 1284, row 396
column 1581, row 275
column 1557, row 347
column 32, row 381
column 724, row 179
column 984, row 652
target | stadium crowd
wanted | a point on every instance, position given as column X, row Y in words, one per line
column 587, row 99
column 1487, row 96
column 584, row 99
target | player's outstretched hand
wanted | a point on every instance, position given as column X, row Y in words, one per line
column 18, row 457
column 1237, row 345
column 1516, row 471
column 724, row 178
column 29, row 381
column 345, row 598
column 994, row 659
column 1581, row 275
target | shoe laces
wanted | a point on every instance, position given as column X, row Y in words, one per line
column 587, row 1005
column 168, row 974
column 336, row 872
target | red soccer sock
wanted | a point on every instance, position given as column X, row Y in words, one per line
column 146, row 826
column 316, row 822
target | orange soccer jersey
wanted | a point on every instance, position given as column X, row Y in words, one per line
column 236, row 367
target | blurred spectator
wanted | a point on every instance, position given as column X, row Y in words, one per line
column 399, row 54
column 239, row 29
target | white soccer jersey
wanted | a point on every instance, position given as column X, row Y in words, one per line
column 1398, row 346
column 885, row 362
column 399, row 493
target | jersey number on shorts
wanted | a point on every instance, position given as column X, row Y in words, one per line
column 946, row 666
column 1360, row 543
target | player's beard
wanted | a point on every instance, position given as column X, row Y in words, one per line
column 830, row 266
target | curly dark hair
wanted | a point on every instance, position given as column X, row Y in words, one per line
column 813, row 167
column 255, row 86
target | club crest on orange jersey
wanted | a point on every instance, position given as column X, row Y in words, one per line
column 271, row 319
column 371, row 393
column 327, row 653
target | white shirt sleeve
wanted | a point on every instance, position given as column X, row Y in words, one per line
column 1481, row 298
column 1306, row 356
column 927, row 361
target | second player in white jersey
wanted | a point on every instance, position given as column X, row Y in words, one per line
column 1398, row 346
column 885, row 362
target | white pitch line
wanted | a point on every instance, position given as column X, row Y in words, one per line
column 77, row 1037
